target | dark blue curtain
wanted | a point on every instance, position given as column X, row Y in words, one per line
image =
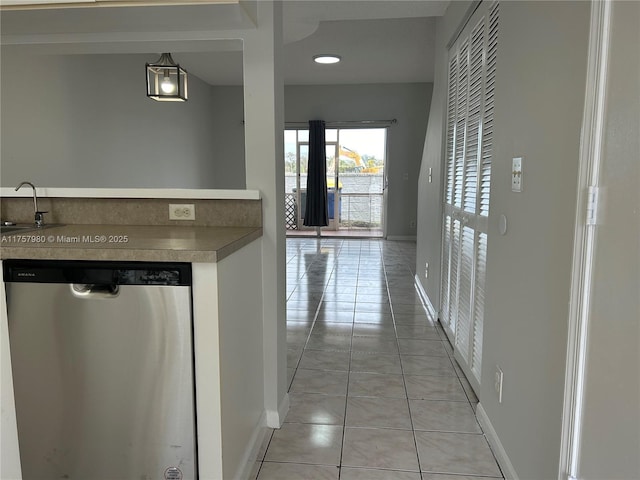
column 316, row 213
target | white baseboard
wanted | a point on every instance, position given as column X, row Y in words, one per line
column 268, row 419
column 402, row 238
column 496, row 445
column 276, row 419
column 251, row 453
column 432, row 313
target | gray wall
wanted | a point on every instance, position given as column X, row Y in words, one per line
column 541, row 75
column 408, row 103
column 611, row 432
column 429, row 228
column 228, row 137
column 85, row 121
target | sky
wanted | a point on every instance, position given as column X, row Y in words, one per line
column 365, row 141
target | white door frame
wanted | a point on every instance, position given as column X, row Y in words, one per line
column 385, row 183
column 584, row 237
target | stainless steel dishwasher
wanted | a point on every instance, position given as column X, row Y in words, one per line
column 102, row 361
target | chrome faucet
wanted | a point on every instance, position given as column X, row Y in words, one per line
column 38, row 215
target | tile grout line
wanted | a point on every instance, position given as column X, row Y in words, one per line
column 404, row 381
column 346, row 398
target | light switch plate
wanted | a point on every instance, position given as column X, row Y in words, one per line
column 516, row 174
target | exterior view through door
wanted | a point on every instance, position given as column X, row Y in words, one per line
column 355, row 180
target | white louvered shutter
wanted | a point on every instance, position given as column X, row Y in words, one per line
column 461, row 123
column 465, row 284
column 446, row 271
column 478, row 314
column 469, row 148
column 447, row 226
column 489, row 97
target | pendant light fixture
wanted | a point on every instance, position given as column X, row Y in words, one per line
column 166, row 80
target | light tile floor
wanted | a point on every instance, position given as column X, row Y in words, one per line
column 375, row 393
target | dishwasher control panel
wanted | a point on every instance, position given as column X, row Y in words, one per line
column 99, row 273
column 149, row 277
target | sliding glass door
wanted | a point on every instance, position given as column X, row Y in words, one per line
column 355, row 179
column 362, row 171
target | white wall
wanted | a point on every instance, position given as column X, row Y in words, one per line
column 228, row 353
column 408, row 103
column 541, row 75
column 611, row 430
column 85, row 121
column 264, row 112
column 241, row 355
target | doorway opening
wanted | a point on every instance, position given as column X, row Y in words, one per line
column 355, row 166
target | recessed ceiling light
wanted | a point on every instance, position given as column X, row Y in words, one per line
column 327, row 58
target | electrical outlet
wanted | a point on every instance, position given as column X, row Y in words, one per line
column 182, row 211
column 426, row 270
column 412, row 224
column 498, row 379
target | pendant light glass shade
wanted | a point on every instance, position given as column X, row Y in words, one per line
column 166, row 80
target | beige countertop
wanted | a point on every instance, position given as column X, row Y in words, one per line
column 165, row 243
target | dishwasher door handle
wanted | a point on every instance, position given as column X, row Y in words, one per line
column 94, row 291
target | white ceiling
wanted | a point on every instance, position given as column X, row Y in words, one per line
column 380, row 41
column 372, row 51
column 301, row 17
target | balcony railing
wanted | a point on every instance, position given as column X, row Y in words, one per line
column 355, row 211
column 361, row 210
column 290, row 211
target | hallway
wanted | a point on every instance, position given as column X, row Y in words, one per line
column 374, row 390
